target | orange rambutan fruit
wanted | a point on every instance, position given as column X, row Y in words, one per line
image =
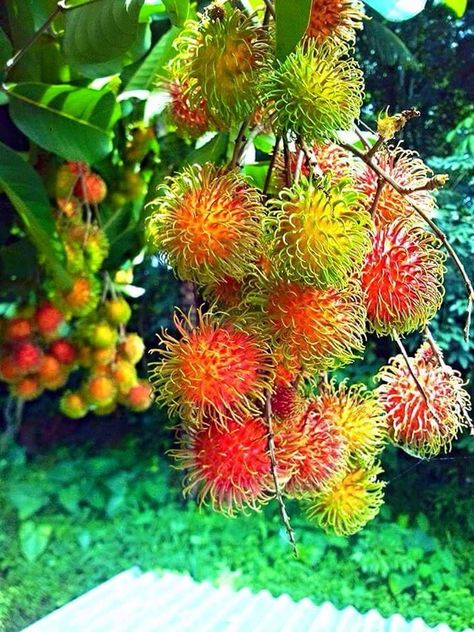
column 227, row 292
column 73, row 405
column 83, row 297
column 49, row 369
column 139, row 397
column 350, row 503
column 406, row 168
column 214, row 369
column 70, row 206
column 90, row 188
column 48, row 319
column 321, row 329
column 27, row 356
column 100, row 390
column 208, row 222
column 27, row 388
column 228, row 464
column 358, row 415
column 104, row 356
column 125, row 375
column 9, row 369
column 17, row 328
column 64, row 351
column 423, row 424
column 336, row 19
column 67, row 176
column 132, row 348
column 322, row 456
column 118, row 311
column 402, row 278
column 190, row 119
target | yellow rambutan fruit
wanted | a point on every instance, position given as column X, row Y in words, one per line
column 96, row 248
column 27, row 388
column 73, row 405
column 315, row 92
column 319, row 232
column 321, row 329
column 347, row 506
column 406, row 168
column 117, row 311
column 213, row 371
column 132, row 348
column 423, row 424
column 104, row 356
column 101, row 411
column 359, row 416
column 402, row 278
column 208, row 222
column 220, row 59
column 100, row 390
column 335, row 19
column 101, row 335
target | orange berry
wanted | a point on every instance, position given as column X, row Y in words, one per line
column 27, row 388
column 17, row 328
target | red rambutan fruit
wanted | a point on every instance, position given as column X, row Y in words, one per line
column 402, row 278
column 90, row 188
column 17, row 328
column 48, row 319
column 9, row 369
column 336, row 19
column 64, row 351
column 322, row 457
column 229, row 465
column 286, row 401
column 139, row 397
column 423, row 424
column 215, row 369
column 27, row 356
column 190, row 120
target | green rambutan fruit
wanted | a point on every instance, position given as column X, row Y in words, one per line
column 319, row 232
column 315, row 92
column 220, row 59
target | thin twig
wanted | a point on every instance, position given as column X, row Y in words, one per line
column 438, row 232
column 271, row 166
column 378, row 193
column 360, row 136
column 310, row 158
column 237, row 144
column 299, row 164
column 270, row 8
column 273, row 464
column 434, row 346
column 411, row 370
column 61, row 7
column 286, row 154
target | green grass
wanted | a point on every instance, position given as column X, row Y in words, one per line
column 94, row 516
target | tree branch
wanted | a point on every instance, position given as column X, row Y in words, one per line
column 273, row 464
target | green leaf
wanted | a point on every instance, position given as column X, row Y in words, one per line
column 177, row 11
column 212, row 151
column 69, row 497
column 398, row 583
column 391, row 50
column 457, row 6
column 292, row 19
column 74, row 123
column 100, row 31
column 34, row 539
column 6, row 48
column 26, row 499
column 151, row 69
column 26, row 192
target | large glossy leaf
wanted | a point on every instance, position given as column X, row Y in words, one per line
column 6, row 48
column 397, row 10
column 74, row 123
column 100, row 31
column 292, row 18
column 26, row 191
column 151, row 69
column 34, row 539
column 177, row 11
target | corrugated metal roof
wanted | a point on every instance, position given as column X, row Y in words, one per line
column 134, row 601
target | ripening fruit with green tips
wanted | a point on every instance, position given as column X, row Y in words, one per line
column 315, row 92
column 220, row 60
column 118, row 311
column 102, row 335
column 319, row 232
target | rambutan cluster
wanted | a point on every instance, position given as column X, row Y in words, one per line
column 294, row 274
